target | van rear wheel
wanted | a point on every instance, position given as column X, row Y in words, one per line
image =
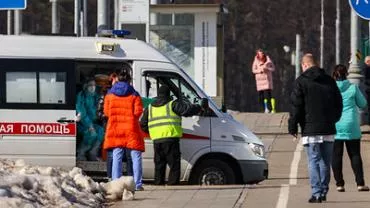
column 213, row 172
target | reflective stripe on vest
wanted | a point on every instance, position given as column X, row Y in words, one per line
column 163, row 122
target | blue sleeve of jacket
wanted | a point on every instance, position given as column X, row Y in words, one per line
column 80, row 108
column 360, row 98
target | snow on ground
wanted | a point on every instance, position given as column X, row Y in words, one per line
column 32, row 187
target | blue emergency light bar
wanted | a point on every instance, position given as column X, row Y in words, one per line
column 121, row 32
column 114, row 33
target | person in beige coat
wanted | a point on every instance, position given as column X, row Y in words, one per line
column 262, row 69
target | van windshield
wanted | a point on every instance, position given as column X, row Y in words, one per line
column 179, row 88
column 211, row 101
column 186, row 91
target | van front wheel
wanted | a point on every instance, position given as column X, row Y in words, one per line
column 213, row 172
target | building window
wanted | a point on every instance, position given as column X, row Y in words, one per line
column 164, row 19
column 184, row 19
column 173, row 35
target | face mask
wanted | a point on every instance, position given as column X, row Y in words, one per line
column 91, row 89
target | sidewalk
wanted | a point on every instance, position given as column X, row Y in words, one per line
column 280, row 187
column 277, row 123
column 187, row 197
column 281, row 152
column 263, row 123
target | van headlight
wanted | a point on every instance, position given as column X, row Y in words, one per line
column 257, row 149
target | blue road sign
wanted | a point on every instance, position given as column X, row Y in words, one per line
column 13, row 4
column 361, row 7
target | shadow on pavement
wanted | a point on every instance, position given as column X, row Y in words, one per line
column 346, row 202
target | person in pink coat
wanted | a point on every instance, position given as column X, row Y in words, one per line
column 262, row 69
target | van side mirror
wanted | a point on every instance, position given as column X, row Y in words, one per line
column 223, row 108
column 204, row 103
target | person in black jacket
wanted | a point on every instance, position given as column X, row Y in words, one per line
column 316, row 107
column 162, row 120
column 366, row 72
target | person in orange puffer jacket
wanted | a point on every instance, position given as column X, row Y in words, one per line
column 123, row 108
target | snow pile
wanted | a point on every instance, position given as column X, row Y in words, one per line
column 31, row 187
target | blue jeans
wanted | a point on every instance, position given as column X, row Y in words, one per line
column 319, row 159
column 126, row 158
column 136, row 157
column 137, row 166
column 117, row 155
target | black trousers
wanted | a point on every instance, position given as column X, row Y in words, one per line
column 167, row 153
column 353, row 149
column 262, row 95
column 368, row 106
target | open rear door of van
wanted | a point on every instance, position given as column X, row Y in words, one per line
column 37, row 111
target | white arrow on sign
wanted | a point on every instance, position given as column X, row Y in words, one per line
column 358, row 2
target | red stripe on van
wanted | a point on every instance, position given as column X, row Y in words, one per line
column 193, row 136
column 50, row 129
column 184, row 136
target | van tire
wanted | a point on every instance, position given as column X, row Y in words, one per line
column 212, row 172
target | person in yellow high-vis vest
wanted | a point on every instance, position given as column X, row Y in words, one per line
column 162, row 120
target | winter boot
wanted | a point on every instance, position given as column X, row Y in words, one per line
column 273, row 105
column 265, row 102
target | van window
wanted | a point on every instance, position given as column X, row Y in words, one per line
column 179, row 88
column 37, row 84
column 151, row 84
column 21, row 87
column 186, row 91
column 52, row 87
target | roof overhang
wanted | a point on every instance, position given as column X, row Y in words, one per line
column 184, row 8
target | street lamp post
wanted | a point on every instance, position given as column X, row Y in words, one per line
column 354, row 72
column 83, row 19
column 116, row 14
column 102, row 21
column 354, row 67
column 322, row 35
column 337, row 35
column 54, row 17
column 17, row 22
column 9, row 22
column 77, row 22
column 297, row 56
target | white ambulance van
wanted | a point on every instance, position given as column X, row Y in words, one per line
column 41, row 75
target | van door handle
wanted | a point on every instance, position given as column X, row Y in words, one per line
column 65, row 120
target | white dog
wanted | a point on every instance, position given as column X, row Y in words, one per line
column 123, row 188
